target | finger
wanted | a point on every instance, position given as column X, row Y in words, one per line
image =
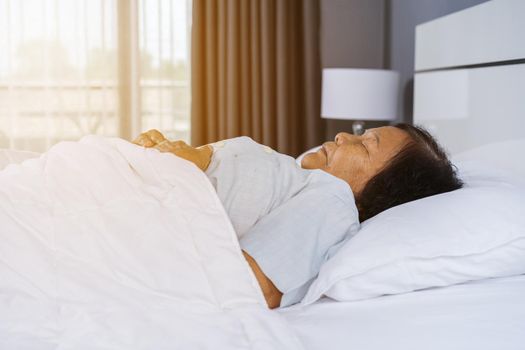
column 156, row 136
column 164, row 146
column 144, row 141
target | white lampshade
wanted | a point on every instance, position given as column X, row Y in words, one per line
column 359, row 94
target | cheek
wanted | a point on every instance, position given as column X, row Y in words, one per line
column 352, row 159
column 353, row 167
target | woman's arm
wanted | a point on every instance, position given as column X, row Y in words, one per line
column 271, row 293
column 200, row 156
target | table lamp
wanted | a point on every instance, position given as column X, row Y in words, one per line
column 359, row 95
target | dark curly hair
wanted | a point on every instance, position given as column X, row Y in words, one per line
column 419, row 170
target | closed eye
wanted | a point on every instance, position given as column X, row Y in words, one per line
column 376, row 138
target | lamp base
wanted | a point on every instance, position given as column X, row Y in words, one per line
column 358, row 128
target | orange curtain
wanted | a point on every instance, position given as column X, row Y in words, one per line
column 256, row 72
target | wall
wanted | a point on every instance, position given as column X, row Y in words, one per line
column 352, row 33
column 402, row 17
column 352, row 36
column 378, row 34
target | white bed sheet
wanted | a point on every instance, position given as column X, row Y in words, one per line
column 488, row 314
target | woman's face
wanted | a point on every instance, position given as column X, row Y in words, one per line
column 356, row 159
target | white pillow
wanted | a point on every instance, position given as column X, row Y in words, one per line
column 300, row 158
column 494, row 160
column 8, row 156
column 473, row 233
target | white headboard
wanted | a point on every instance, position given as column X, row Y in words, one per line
column 469, row 86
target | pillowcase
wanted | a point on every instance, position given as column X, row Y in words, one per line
column 300, row 158
column 473, row 233
column 501, row 159
column 8, row 156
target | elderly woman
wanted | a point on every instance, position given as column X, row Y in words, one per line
column 290, row 219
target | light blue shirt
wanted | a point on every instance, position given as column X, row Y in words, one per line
column 290, row 220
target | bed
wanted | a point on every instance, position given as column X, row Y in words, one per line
column 445, row 272
column 470, row 93
column 486, row 314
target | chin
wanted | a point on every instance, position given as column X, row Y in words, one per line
column 311, row 161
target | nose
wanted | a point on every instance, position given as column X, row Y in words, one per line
column 342, row 137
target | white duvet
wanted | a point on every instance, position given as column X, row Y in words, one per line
column 106, row 245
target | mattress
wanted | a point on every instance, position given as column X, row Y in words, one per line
column 488, row 314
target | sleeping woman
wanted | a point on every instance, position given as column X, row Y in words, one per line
column 290, row 218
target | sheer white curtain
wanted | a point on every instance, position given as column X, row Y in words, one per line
column 74, row 67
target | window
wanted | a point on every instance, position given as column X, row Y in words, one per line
column 69, row 68
column 164, row 85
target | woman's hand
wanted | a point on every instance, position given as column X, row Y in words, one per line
column 200, row 156
column 149, row 139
